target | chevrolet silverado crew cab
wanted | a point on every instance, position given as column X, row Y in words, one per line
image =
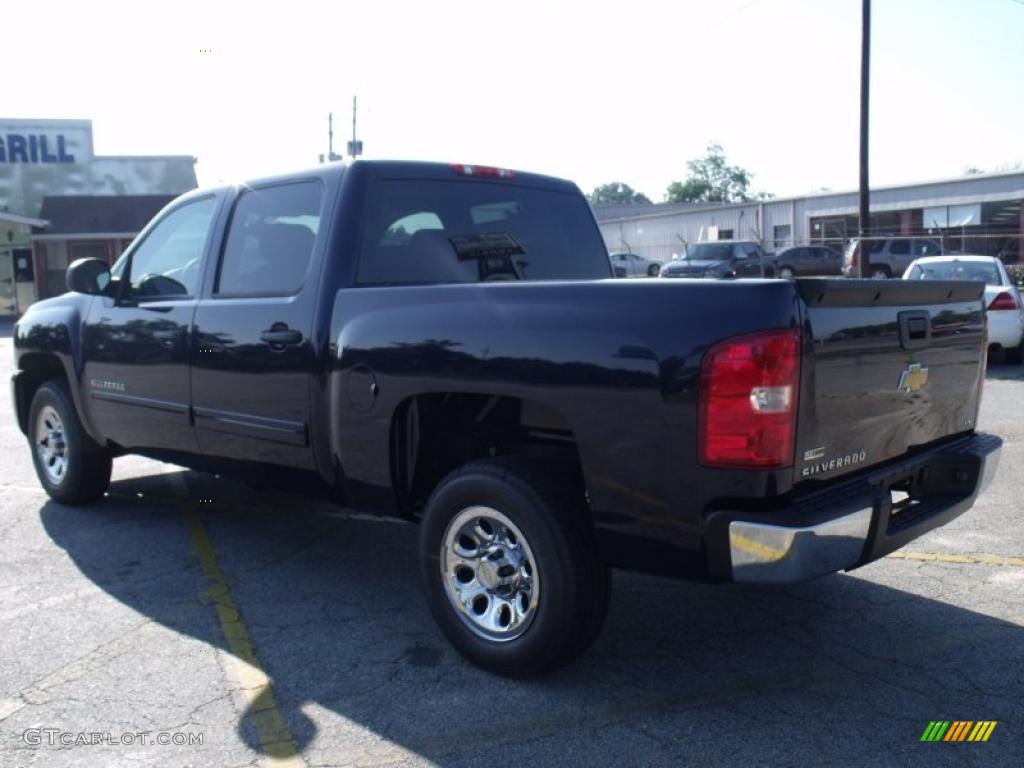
column 447, row 344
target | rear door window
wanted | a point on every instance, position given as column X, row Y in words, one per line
column 899, row 248
column 270, row 242
column 429, row 231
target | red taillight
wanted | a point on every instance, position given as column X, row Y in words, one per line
column 748, row 400
column 855, row 255
column 1004, row 300
column 486, row 171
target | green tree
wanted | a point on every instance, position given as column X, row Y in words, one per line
column 617, row 193
column 711, row 179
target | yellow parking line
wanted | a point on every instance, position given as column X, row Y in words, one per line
column 756, row 548
column 978, row 559
column 275, row 739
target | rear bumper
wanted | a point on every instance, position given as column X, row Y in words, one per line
column 1005, row 329
column 852, row 522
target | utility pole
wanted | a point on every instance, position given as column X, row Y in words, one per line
column 865, row 205
column 355, row 147
column 331, row 157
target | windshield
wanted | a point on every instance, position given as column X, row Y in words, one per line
column 954, row 269
column 709, row 252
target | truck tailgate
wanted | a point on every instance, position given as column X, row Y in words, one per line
column 894, row 364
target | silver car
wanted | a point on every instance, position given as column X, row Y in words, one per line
column 634, row 265
column 888, row 256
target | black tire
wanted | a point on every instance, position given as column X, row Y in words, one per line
column 879, row 272
column 574, row 584
column 653, row 270
column 1015, row 356
column 86, row 473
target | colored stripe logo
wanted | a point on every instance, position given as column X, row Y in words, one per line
column 959, row 730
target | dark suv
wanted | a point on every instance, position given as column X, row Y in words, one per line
column 721, row 258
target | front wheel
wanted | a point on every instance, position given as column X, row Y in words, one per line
column 72, row 468
column 509, row 568
column 786, row 273
column 653, row 270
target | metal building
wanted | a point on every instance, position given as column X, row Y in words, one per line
column 979, row 213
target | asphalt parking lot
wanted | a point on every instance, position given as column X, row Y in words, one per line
column 280, row 632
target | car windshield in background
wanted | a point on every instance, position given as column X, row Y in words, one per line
column 709, row 252
column 957, row 270
column 466, row 232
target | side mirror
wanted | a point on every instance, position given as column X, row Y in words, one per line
column 91, row 276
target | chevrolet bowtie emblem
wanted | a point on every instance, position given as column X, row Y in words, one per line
column 913, row 378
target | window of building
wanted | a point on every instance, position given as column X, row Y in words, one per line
column 93, row 249
column 167, row 263
column 782, row 233
column 725, row 234
column 270, row 240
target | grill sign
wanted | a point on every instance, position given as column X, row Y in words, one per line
column 34, row 148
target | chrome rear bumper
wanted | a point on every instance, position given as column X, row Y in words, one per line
column 855, row 521
column 779, row 555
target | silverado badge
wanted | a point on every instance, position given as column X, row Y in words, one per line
column 913, row 378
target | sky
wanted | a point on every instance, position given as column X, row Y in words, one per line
column 591, row 91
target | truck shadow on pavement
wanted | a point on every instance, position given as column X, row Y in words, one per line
column 849, row 666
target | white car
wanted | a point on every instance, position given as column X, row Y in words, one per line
column 1002, row 298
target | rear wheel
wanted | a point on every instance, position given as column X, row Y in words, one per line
column 652, row 271
column 879, row 273
column 71, row 466
column 786, row 273
column 1015, row 356
column 509, row 568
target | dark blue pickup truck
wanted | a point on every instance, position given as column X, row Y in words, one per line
column 446, row 344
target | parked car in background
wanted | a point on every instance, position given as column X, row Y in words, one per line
column 716, row 259
column 805, row 260
column 888, row 257
column 1005, row 309
column 634, row 265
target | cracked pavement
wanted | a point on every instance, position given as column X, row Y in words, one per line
column 107, row 624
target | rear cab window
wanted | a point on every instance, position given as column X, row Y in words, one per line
column 435, row 231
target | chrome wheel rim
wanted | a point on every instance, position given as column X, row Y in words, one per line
column 51, row 445
column 786, row 273
column 490, row 574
